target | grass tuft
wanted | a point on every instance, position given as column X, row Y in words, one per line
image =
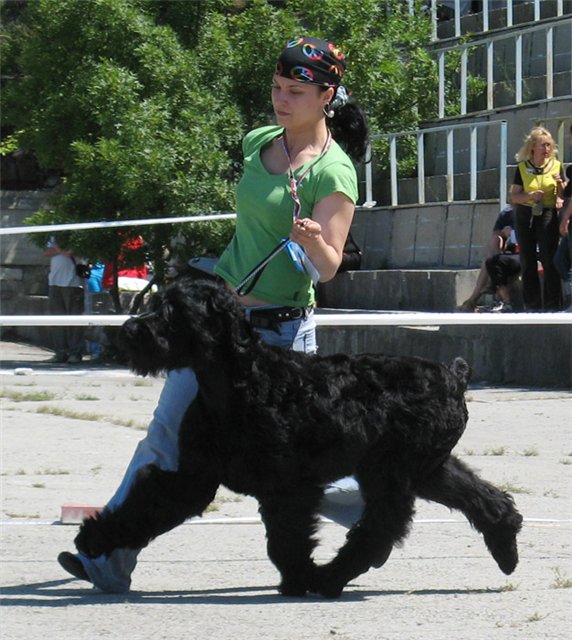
column 561, row 580
column 499, row 451
column 27, row 396
column 530, row 452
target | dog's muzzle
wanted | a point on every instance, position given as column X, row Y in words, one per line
column 132, row 329
column 129, row 328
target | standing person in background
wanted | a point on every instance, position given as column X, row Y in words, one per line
column 298, row 182
column 563, row 257
column 566, row 248
column 538, row 183
column 65, row 297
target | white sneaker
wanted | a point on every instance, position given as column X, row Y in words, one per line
column 502, row 307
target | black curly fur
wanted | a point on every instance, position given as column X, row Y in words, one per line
column 280, row 425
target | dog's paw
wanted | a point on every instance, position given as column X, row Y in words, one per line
column 326, row 583
column 504, row 550
column 501, row 542
column 292, row 589
column 90, row 540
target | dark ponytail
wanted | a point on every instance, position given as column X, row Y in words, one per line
column 349, row 129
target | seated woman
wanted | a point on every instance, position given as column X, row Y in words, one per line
column 501, row 268
column 501, row 243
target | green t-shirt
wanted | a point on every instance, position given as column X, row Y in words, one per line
column 264, row 217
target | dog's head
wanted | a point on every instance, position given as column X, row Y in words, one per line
column 190, row 323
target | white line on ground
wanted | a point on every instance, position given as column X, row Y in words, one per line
column 256, row 520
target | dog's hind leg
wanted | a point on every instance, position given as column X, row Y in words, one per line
column 388, row 512
column 291, row 523
column 488, row 509
column 157, row 502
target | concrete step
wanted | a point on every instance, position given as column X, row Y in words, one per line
column 498, row 355
column 18, row 251
column 523, row 13
column 37, row 305
column 436, row 188
column 399, row 289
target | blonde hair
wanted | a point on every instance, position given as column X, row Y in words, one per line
column 525, row 152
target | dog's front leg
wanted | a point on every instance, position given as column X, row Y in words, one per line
column 291, row 523
column 157, row 502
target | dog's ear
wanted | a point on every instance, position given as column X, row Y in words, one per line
column 230, row 313
column 155, row 302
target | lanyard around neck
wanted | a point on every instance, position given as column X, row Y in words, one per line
column 542, row 169
column 248, row 282
column 295, row 183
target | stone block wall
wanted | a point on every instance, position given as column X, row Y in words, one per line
column 23, row 267
column 436, row 235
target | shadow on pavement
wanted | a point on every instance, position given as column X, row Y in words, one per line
column 59, row 593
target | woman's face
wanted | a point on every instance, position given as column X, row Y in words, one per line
column 298, row 104
column 542, row 149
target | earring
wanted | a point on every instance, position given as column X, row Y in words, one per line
column 328, row 111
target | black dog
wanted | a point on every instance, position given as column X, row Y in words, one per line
column 280, row 425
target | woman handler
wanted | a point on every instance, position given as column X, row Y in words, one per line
column 298, row 182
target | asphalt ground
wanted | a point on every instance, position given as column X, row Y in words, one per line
column 67, row 433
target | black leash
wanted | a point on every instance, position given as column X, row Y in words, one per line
column 252, row 277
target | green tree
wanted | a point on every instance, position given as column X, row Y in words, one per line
column 114, row 101
column 390, row 71
column 142, row 104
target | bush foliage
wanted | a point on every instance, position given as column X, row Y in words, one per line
column 141, row 104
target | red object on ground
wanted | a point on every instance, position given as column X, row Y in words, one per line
column 77, row 513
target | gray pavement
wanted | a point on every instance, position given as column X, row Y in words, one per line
column 67, row 434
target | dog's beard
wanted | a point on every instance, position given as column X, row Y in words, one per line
column 147, row 351
column 141, row 365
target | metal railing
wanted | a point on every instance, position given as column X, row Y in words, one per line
column 487, row 7
column 559, row 126
column 519, row 63
column 449, row 131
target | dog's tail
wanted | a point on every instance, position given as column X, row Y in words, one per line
column 461, row 370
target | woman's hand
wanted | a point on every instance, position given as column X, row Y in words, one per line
column 324, row 234
column 519, row 196
column 305, row 232
column 536, row 195
column 506, row 232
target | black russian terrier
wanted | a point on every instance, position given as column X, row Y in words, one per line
column 280, row 426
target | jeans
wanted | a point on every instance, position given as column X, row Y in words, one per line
column 342, row 501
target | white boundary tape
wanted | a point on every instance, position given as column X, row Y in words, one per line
column 440, row 319
column 327, row 319
column 257, row 520
column 79, row 226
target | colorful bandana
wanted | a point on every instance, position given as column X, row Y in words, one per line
column 312, row 60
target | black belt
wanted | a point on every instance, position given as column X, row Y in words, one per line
column 271, row 318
